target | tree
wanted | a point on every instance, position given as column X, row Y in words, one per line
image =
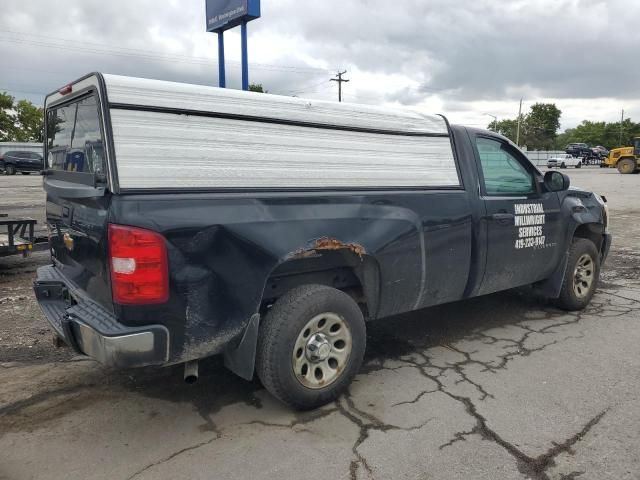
column 7, row 122
column 29, row 122
column 507, row 127
column 600, row 133
column 540, row 126
column 20, row 121
column 257, row 87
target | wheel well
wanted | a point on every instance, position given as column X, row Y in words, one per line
column 590, row 231
column 341, row 269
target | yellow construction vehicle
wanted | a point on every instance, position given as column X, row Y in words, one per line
column 625, row 159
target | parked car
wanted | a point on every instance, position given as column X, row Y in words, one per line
column 578, row 149
column 564, row 161
column 285, row 226
column 21, row 161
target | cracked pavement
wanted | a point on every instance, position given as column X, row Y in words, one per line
column 498, row 387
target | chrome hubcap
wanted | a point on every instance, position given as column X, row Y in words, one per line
column 583, row 276
column 322, row 350
column 318, row 348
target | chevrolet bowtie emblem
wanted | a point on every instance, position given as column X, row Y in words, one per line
column 68, row 241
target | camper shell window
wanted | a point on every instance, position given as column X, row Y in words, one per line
column 74, row 137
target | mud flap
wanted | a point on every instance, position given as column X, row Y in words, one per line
column 241, row 360
column 551, row 287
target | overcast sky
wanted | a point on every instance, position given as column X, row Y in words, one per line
column 463, row 58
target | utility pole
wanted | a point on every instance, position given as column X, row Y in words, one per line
column 519, row 120
column 340, row 80
column 621, row 120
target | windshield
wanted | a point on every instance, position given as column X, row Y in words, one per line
column 74, row 137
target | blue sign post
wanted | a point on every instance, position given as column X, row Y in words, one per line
column 223, row 15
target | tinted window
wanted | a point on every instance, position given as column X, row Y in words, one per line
column 503, row 173
column 74, row 138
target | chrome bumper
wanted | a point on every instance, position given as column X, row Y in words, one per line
column 91, row 330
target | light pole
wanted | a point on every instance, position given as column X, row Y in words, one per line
column 519, row 120
column 495, row 122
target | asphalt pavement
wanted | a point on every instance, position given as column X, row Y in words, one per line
column 499, row 387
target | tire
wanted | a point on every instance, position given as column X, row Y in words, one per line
column 286, row 338
column 10, row 169
column 562, row 165
column 25, row 173
column 579, row 165
column 581, row 277
column 626, row 166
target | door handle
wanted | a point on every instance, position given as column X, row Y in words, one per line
column 503, row 218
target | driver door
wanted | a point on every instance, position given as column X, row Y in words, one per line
column 522, row 222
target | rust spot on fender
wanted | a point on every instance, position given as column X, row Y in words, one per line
column 327, row 243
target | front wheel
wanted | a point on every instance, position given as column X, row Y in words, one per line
column 579, row 165
column 563, row 165
column 311, row 345
column 581, row 276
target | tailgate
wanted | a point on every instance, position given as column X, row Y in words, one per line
column 77, row 198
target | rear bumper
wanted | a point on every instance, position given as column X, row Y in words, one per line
column 91, row 330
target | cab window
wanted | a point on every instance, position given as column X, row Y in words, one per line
column 503, row 173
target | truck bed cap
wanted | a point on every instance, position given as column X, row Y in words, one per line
column 168, row 135
column 182, row 96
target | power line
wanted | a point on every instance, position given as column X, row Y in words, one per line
column 103, row 49
column 305, row 89
column 340, row 80
column 10, row 90
column 128, row 51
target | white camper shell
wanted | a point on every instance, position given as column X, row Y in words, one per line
column 167, row 135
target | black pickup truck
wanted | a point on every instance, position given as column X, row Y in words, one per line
column 188, row 221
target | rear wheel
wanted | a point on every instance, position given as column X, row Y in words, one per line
column 10, row 169
column 311, row 345
column 581, row 276
column 24, row 173
column 626, row 165
column 562, row 165
column 579, row 165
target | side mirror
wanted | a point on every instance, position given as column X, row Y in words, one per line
column 556, row 181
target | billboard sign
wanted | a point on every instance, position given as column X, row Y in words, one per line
column 225, row 14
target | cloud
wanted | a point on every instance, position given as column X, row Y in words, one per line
column 466, row 54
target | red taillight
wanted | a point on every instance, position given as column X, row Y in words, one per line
column 139, row 267
column 66, row 90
